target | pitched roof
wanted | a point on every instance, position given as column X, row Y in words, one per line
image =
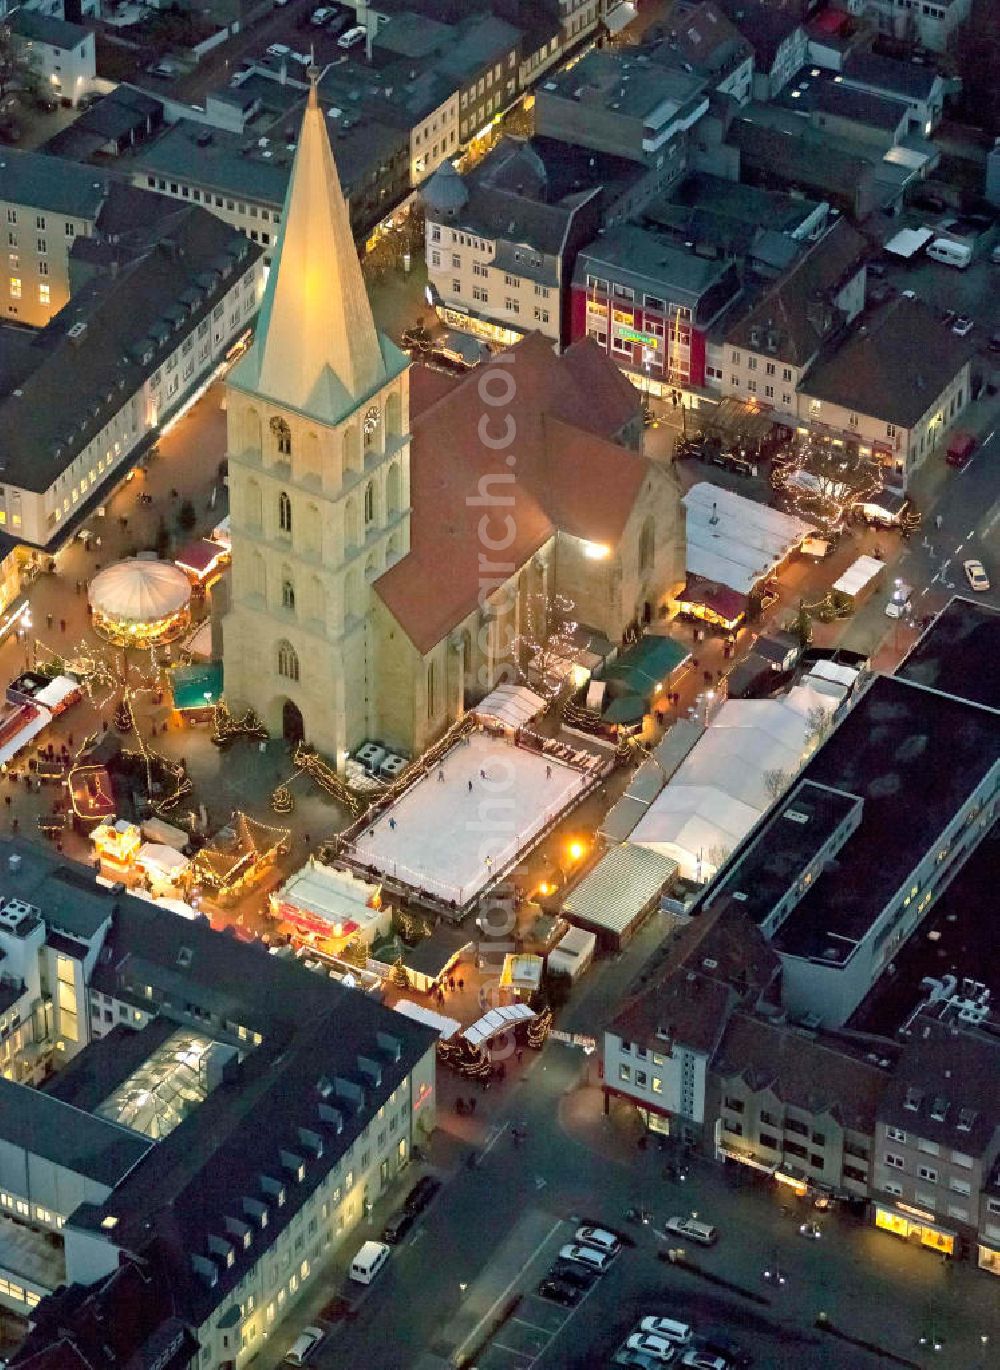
column 788, row 310
column 893, row 367
column 569, row 475
column 702, row 36
column 48, row 183
column 685, row 1007
column 951, row 1071
column 46, row 29
column 316, row 347
column 801, row 1071
column 765, row 24
column 93, row 1147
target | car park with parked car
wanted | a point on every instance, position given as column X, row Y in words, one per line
column 587, row 1256
column 702, row 1233
column 421, row 1194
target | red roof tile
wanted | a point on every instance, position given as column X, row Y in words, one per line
column 562, row 471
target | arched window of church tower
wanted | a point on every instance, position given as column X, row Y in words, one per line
column 284, row 513
column 311, row 461
column 351, row 455
column 288, row 661
column 393, row 490
column 431, row 690
column 253, row 504
column 287, row 591
column 647, row 545
column 394, row 416
column 251, row 431
column 369, row 503
column 282, row 436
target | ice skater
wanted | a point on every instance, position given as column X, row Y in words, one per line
column 392, row 825
column 441, row 775
column 548, row 772
column 482, row 773
column 470, row 786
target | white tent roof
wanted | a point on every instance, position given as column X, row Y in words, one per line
column 859, row 574
column 619, row 887
column 497, row 1020
column 688, row 823
column 200, row 642
column 735, row 541
column 444, row 1026
column 514, row 705
column 908, row 241
column 166, row 859
column 58, row 690
column 136, row 591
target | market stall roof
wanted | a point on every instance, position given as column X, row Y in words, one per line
column 496, row 1021
column 513, row 705
column 200, row 642
column 619, row 17
column 200, row 556
column 333, row 894
column 720, row 599
column 137, row 591
column 859, row 574
column 908, row 241
column 645, row 667
column 735, row 541
column 58, row 691
column 431, row 956
column 741, row 418
column 190, row 685
column 622, row 817
column 625, row 710
column 620, row 888
column 444, row 1026
column 166, row 859
column 694, row 825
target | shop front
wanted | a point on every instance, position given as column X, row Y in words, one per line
column 916, row 1226
column 654, row 1119
column 989, row 1258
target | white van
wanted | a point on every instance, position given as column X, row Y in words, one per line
column 369, row 1261
column 952, row 254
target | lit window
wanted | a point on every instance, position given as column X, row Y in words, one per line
column 44, row 294
column 15, row 287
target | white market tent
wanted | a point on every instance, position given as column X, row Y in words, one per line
column 908, row 241
column 445, row 1027
column 735, row 541
column 620, row 889
column 859, row 575
column 35, row 719
column 58, row 692
column 722, row 787
column 496, row 1021
column 512, row 705
column 162, row 860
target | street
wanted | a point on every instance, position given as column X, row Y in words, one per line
column 576, row 1165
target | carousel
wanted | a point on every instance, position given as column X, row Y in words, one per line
column 138, row 603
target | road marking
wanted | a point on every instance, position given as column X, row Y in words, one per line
column 417, row 1236
column 989, row 436
column 494, row 1136
column 959, row 548
column 944, row 567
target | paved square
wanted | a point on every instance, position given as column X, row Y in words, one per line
column 463, row 823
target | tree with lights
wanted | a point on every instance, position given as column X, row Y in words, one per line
column 824, row 483
column 398, row 976
column 542, row 652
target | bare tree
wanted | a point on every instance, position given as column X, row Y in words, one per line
column 776, row 782
column 542, row 652
column 825, row 483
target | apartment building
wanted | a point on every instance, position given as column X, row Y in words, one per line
column 701, row 39
column 648, row 302
column 45, row 205
column 626, row 104
column 764, row 352
column 784, row 1101
column 939, row 1128
column 160, row 309
column 63, row 54
column 893, row 387
column 778, row 37
column 932, row 23
column 501, row 242
column 920, row 88
column 137, row 1154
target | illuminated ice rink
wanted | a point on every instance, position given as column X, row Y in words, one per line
column 450, row 840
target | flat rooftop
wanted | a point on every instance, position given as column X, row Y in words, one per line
column 452, row 837
column 802, row 824
column 958, row 653
column 913, row 757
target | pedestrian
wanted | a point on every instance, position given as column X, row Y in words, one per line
column 392, row 825
column 938, row 521
column 461, row 985
column 548, row 772
column 482, row 773
column 48, row 620
column 441, row 775
column 472, row 1103
column 62, row 625
column 97, row 542
column 520, row 1057
column 470, row 786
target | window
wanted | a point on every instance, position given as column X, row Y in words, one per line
column 770, row 368
column 431, row 690
column 928, row 1148
column 282, row 436
column 890, row 430
column 43, row 268
column 12, row 216
column 794, row 1149
column 769, row 1141
column 960, row 1186
column 751, row 363
column 786, row 374
column 288, row 661
column 15, row 287
column 511, row 305
column 641, row 1079
column 896, row 1161
column 793, row 1125
column 40, row 221
column 369, row 503
column 456, row 261
column 284, row 513
column 41, row 245
column 893, row 1187
column 769, row 392
column 647, row 546
column 287, row 594
column 657, row 1085
column 735, row 1105
column 44, row 294
column 624, row 1072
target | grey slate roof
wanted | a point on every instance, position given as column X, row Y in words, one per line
column 93, row 1147
column 42, row 28
column 952, row 1070
column 647, row 261
column 47, row 183
column 908, row 79
column 64, row 892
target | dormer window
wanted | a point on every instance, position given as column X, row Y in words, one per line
column 913, row 1099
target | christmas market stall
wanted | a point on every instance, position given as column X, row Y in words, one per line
column 116, row 846
column 203, row 561
column 91, row 793
column 239, row 857
column 196, row 690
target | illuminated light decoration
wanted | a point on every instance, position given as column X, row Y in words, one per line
column 543, row 655
column 117, row 844
column 90, row 794
column 226, row 728
column 140, row 603
column 596, row 551
column 465, row 1058
column 422, row 1095
column 538, row 1029
column 282, row 799
column 229, row 872
column 203, row 561
column 824, row 482
column 371, row 419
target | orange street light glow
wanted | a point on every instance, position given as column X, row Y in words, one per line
column 576, row 850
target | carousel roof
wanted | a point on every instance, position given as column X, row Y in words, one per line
column 138, row 591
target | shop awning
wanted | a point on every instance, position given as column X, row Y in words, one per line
column 513, row 705
column 619, row 18
column 645, row 668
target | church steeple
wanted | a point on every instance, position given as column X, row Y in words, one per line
column 316, row 348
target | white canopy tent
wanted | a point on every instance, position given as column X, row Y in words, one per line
column 445, row 1027
column 512, row 705
column 496, row 1021
column 735, row 541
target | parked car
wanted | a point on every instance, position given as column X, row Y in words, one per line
column 305, row 1344
column 47, row 103
column 723, row 1344
column 669, row 1329
column 561, row 1292
column 703, row 1233
column 570, row 1273
column 585, row 1255
column 398, row 1226
column 640, row 1360
column 975, row 574
column 600, row 1238
column 649, row 1345
column 319, row 17
column 421, row 1194
column 962, row 326
column 994, row 343
column 352, row 37
column 279, row 50
column 703, row 1360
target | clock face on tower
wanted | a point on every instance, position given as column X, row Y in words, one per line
column 372, row 416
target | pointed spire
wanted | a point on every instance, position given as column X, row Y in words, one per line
column 316, row 347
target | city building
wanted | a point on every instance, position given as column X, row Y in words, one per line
column 123, row 119
column 836, row 900
column 366, row 569
column 785, row 1101
column 939, row 1130
column 161, row 301
column 778, row 37
column 701, row 39
column 627, row 104
column 932, row 23
column 894, row 386
column 482, row 60
column 45, row 206
column 765, row 229
column 228, row 1118
column 765, row 350
column 502, row 240
column 648, row 303
column 788, row 154
column 920, row 88
column 62, row 53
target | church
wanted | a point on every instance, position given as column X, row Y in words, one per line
column 397, row 532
